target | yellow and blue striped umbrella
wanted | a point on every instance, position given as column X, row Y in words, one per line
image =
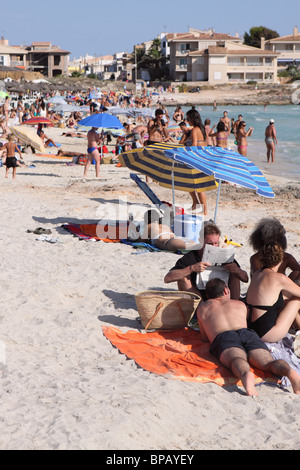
column 223, row 164
column 154, row 162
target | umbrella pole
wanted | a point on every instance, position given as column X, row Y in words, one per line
column 217, row 202
column 173, row 189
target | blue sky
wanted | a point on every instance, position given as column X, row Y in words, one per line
column 108, row 26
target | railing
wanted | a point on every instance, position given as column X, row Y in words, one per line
column 16, row 63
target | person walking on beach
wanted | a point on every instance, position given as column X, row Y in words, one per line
column 270, row 139
column 93, row 152
column 11, row 161
column 223, row 323
column 241, row 137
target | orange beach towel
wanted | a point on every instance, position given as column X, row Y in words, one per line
column 178, row 354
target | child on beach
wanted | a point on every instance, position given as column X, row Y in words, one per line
column 11, row 161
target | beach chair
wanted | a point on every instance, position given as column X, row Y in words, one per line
column 161, row 205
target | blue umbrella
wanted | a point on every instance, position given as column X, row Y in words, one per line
column 101, row 120
column 225, row 165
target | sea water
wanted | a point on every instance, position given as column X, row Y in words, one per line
column 287, row 124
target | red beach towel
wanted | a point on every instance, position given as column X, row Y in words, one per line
column 176, row 354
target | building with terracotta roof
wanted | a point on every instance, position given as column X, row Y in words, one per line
column 287, row 48
column 48, row 59
column 216, row 58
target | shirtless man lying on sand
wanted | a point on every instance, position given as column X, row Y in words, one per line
column 223, row 322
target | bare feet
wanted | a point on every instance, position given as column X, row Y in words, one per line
column 248, row 382
column 294, row 377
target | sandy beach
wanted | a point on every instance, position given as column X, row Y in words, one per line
column 63, row 385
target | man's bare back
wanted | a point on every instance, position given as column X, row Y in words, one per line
column 232, row 315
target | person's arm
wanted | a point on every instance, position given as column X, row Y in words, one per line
column 180, row 273
column 274, row 136
column 289, row 287
column 19, row 151
column 233, row 268
column 292, row 263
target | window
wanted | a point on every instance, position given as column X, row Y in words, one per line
column 183, row 63
column 1, row 59
column 218, row 60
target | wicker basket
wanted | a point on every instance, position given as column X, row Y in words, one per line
column 166, row 310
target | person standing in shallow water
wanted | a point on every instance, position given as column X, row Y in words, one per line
column 241, row 137
column 270, row 140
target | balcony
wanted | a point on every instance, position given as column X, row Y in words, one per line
column 17, row 63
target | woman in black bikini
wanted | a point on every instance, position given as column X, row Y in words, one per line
column 273, row 299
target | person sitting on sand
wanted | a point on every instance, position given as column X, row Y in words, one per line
column 271, row 230
column 223, row 323
column 158, row 234
column 11, row 162
column 46, row 140
column 272, row 297
column 185, row 270
column 4, row 129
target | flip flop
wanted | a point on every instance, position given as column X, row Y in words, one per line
column 40, row 231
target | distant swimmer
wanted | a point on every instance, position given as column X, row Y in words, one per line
column 270, row 139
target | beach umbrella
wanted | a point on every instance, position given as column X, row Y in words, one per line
column 141, row 112
column 68, row 108
column 101, row 120
column 56, row 100
column 115, row 110
column 28, row 136
column 38, row 120
column 223, row 164
column 153, row 161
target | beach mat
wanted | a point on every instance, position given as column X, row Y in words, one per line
column 178, row 354
column 92, row 231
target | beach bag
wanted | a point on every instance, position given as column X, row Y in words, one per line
column 166, row 310
column 82, row 160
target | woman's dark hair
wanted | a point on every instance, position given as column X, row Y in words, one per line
column 271, row 254
column 268, row 230
column 241, row 124
column 196, row 120
column 221, row 126
column 207, row 122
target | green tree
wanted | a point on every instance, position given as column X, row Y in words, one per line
column 256, row 32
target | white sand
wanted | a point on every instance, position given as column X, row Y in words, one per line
column 63, row 386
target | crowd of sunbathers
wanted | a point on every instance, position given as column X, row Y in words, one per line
column 238, row 327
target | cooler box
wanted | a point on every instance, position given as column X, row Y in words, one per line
column 188, row 226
